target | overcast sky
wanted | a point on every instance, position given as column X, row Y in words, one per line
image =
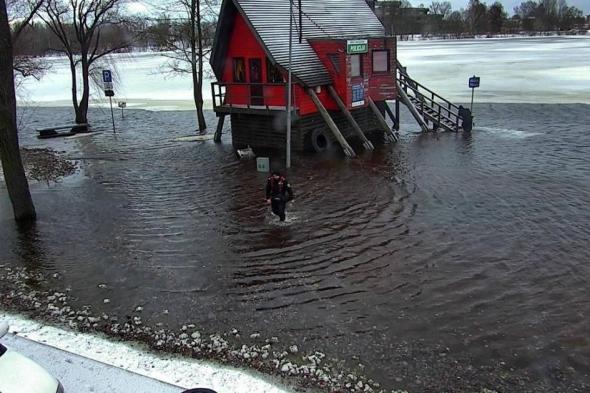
column 509, row 5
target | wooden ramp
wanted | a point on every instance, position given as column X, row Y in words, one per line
column 428, row 107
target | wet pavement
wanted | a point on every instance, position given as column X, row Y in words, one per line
column 446, row 262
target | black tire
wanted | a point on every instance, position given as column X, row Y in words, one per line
column 320, row 141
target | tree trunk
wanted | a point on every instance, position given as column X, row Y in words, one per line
column 74, row 84
column 82, row 112
column 14, row 173
column 198, row 96
column 197, row 62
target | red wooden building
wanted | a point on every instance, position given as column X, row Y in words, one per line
column 343, row 70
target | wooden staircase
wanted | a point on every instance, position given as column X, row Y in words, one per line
column 430, row 110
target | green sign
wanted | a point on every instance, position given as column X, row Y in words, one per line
column 354, row 47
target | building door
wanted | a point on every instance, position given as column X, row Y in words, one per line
column 256, row 88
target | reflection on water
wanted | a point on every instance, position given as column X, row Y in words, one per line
column 444, row 248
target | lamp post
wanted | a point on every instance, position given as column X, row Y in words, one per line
column 289, row 88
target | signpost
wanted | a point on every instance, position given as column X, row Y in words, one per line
column 122, row 105
column 107, row 79
column 290, row 87
column 473, row 83
column 356, row 47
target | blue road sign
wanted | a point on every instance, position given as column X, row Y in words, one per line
column 107, row 76
column 474, row 82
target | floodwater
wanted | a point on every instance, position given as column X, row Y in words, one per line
column 446, row 261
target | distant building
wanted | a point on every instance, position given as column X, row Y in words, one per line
column 399, row 20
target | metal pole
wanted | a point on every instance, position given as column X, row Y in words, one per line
column 289, row 89
column 112, row 114
column 300, row 23
column 472, row 93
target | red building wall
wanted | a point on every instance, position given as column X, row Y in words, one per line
column 379, row 86
column 243, row 43
column 382, row 86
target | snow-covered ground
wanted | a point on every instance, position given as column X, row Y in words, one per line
column 525, row 70
column 535, row 70
column 141, row 79
column 116, row 360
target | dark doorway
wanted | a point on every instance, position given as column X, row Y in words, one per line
column 256, row 89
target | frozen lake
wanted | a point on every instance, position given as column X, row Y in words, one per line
column 532, row 70
column 552, row 70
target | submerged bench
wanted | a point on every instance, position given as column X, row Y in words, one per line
column 52, row 132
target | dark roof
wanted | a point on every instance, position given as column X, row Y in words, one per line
column 331, row 19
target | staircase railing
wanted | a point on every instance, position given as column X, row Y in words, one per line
column 431, row 105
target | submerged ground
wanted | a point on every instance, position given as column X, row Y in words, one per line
column 444, row 263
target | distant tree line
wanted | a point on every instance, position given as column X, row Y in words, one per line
column 160, row 33
column 548, row 15
column 479, row 18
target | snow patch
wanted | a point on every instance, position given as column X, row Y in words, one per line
column 171, row 369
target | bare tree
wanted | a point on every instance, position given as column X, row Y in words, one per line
column 190, row 41
column 79, row 25
column 20, row 14
column 443, row 8
column 12, row 166
column 23, row 11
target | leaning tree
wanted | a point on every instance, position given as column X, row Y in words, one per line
column 80, row 26
column 12, row 166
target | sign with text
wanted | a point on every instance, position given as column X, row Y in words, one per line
column 474, row 82
column 107, row 80
column 358, row 95
column 355, row 47
column 107, row 76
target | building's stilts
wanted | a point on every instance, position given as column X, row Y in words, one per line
column 402, row 94
column 393, row 118
column 219, row 130
column 348, row 151
column 366, row 143
column 389, row 135
column 397, row 114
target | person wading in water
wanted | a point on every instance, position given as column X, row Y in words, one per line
column 278, row 193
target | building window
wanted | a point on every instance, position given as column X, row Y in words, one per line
column 380, row 61
column 255, row 70
column 356, row 65
column 335, row 61
column 239, row 70
column 273, row 74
